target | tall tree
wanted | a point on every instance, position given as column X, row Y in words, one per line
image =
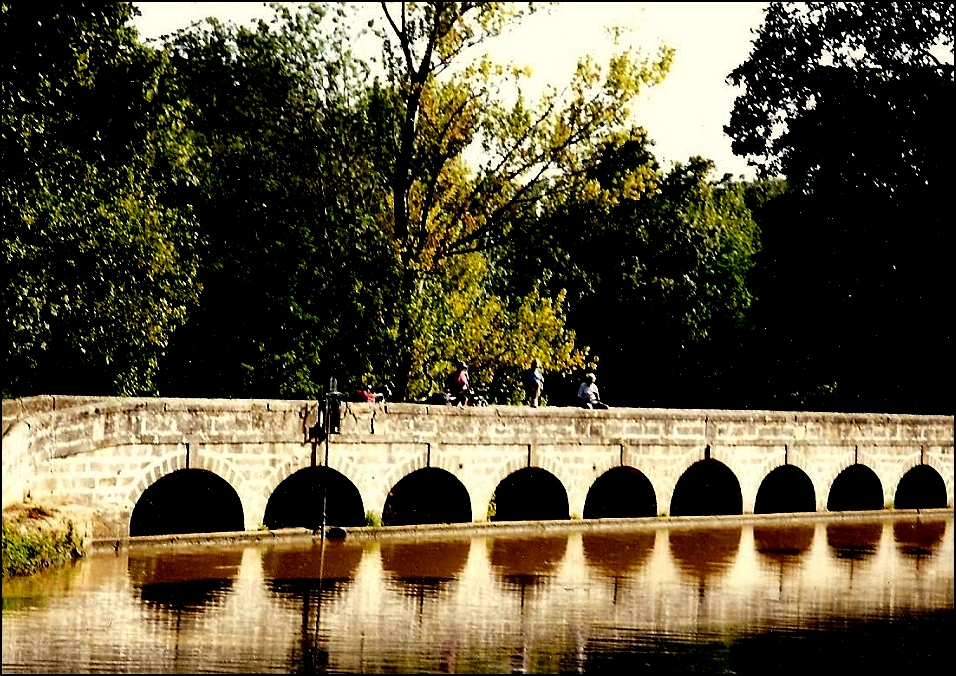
column 295, row 271
column 848, row 101
column 444, row 103
column 99, row 269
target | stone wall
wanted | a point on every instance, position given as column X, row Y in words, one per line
column 104, row 452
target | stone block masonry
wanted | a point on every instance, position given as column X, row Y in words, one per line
column 105, row 452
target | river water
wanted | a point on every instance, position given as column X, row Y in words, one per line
column 835, row 595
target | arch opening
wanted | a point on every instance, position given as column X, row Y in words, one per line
column 855, row 488
column 530, row 494
column 707, row 488
column 920, row 488
column 785, row 489
column 299, row 500
column 427, row 495
column 621, row 492
column 187, row 501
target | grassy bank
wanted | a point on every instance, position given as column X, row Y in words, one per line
column 29, row 546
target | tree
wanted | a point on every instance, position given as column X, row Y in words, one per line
column 849, row 101
column 444, row 104
column 297, row 277
column 657, row 279
column 100, row 269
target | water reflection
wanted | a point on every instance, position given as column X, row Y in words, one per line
column 617, row 555
column 783, row 545
column 704, row 554
column 424, row 570
column 183, row 581
column 854, row 541
column 698, row 599
column 919, row 539
column 523, row 562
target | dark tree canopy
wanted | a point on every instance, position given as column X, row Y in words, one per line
column 850, row 101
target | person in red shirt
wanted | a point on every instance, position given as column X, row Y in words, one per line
column 456, row 384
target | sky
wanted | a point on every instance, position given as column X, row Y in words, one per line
column 684, row 115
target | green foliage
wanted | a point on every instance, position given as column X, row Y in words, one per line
column 849, row 102
column 656, row 266
column 443, row 102
column 26, row 553
column 458, row 316
column 372, row 520
column 100, row 269
column 295, row 273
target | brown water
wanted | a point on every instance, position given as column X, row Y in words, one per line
column 817, row 595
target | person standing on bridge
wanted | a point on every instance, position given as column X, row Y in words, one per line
column 533, row 384
column 457, row 385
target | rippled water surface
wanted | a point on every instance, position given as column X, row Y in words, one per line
column 793, row 598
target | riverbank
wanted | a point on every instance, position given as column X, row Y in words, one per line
column 478, row 528
column 36, row 537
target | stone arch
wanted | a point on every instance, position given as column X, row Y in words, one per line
column 854, row 489
column 188, row 500
column 786, row 488
column 173, row 462
column 707, row 487
column 620, row 492
column 312, row 496
column 425, row 496
column 921, row 486
column 531, row 493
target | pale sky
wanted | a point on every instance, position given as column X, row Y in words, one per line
column 684, row 115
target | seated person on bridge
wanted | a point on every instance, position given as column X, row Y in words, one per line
column 456, row 385
column 588, row 394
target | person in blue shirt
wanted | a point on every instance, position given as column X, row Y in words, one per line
column 533, row 384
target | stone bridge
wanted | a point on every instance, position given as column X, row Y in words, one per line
column 401, row 462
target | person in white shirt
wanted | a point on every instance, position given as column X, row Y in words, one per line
column 588, row 394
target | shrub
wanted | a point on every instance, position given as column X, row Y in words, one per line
column 26, row 553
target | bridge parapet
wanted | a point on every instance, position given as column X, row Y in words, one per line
column 107, row 451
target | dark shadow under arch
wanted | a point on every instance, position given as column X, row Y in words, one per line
column 187, row 501
column 707, row 488
column 920, row 488
column 299, row 500
column 785, row 489
column 530, row 494
column 621, row 492
column 427, row 495
column 855, row 488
